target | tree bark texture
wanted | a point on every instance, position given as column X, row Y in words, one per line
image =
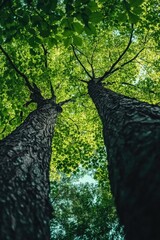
column 131, row 132
column 25, row 154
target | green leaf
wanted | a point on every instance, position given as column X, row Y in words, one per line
column 78, row 27
column 51, row 42
column 133, row 17
column 96, row 17
column 32, row 52
column 69, row 9
column 45, row 32
column 67, row 41
column 90, row 29
column 32, row 31
column 25, row 19
column 77, row 40
column 122, row 17
column 35, row 20
column 93, row 6
column 85, row 18
column 85, row 1
column 136, row 3
column 67, row 32
column 126, row 5
column 137, row 10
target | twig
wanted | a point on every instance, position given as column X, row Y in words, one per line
column 84, row 81
column 109, row 83
column 92, row 56
column 52, row 91
column 3, row 130
column 74, row 123
column 92, row 68
column 66, row 101
column 80, row 62
column 45, row 56
column 73, row 99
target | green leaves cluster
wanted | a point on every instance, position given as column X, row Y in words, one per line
column 65, row 21
column 82, row 210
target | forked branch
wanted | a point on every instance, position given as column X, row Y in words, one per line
column 108, row 72
column 122, row 65
column 76, row 56
column 90, row 62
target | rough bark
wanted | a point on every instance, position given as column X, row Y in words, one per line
column 25, row 154
column 132, row 137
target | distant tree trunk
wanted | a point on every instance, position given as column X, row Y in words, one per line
column 132, row 137
column 25, row 154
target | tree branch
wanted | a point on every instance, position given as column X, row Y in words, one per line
column 73, row 99
column 89, row 62
column 52, row 91
column 36, row 95
column 74, row 51
column 84, row 81
column 108, row 72
column 66, row 101
column 17, row 70
column 45, row 56
column 129, row 61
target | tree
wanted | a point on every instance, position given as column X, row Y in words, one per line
column 25, row 154
column 131, row 132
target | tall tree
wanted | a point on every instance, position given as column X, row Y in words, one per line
column 131, row 132
column 25, row 155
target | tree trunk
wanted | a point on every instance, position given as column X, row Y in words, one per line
column 131, row 132
column 25, row 154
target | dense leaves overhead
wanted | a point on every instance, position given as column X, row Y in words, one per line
column 38, row 35
column 54, row 21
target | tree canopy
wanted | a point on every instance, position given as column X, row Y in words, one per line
column 37, row 36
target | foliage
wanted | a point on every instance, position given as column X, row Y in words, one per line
column 82, row 210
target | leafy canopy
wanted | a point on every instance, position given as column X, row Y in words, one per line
column 38, row 38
